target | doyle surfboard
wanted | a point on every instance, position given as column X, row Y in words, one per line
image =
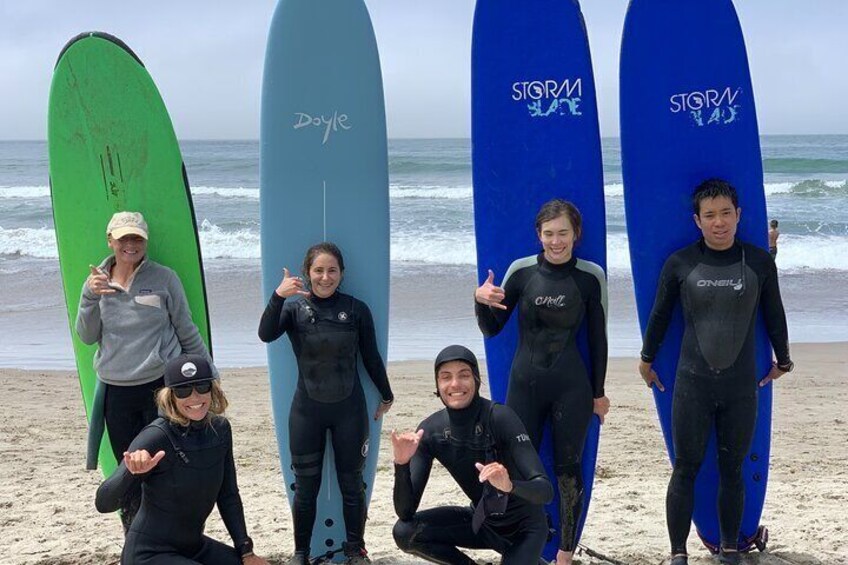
column 535, row 136
column 324, row 176
column 112, row 148
column 687, row 114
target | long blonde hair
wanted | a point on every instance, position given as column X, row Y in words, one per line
column 166, row 400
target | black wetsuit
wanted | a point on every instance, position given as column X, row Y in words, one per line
column 716, row 381
column 178, row 495
column 513, row 525
column 548, row 377
column 327, row 336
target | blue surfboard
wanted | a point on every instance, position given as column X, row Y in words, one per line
column 535, row 136
column 687, row 114
column 324, row 176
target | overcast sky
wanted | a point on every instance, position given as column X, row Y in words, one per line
column 206, row 57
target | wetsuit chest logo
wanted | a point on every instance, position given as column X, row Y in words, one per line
column 342, row 316
column 735, row 283
column 551, row 301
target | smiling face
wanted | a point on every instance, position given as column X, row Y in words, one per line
column 129, row 250
column 195, row 407
column 557, row 238
column 718, row 219
column 456, row 384
column 324, row 275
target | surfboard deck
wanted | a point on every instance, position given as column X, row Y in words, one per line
column 535, row 136
column 688, row 114
column 112, row 147
column 324, row 176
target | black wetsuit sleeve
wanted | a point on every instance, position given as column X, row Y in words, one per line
column 410, row 480
column 111, row 492
column 668, row 293
column 529, row 480
column 229, row 500
column 596, row 325
column 276, row 320
column 774, row 315
column 371, row 355
column 492, row 320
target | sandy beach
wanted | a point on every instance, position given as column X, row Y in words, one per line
column 47, row 514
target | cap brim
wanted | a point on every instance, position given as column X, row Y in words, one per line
column 118, row 233
column 195, row 381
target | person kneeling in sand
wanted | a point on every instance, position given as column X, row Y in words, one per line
column 185, row 461
column 485, row 447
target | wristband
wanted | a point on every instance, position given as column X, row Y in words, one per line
column 246, row 548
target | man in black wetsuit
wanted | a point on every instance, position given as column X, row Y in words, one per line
column 486, row 449
column 721, row 282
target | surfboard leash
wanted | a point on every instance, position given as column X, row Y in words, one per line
column 596, row 555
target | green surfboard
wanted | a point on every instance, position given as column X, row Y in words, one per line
column 112, row 147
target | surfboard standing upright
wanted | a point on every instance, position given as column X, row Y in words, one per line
column 112, row 147
column 687, row 114
column 535, row 136
column 324, row 176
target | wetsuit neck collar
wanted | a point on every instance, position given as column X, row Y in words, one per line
column 732, row 251
column 465, row 416
column 329, row 301
column 554, row 267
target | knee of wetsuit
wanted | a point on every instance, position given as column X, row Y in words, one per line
column 307, row 465
column 730, row 473
column 404, row 534
column 351, row 484
column 684, row 470
column 307, row 476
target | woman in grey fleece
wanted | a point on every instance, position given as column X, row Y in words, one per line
column 137, row 313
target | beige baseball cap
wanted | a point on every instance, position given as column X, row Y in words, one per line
column 126, row 223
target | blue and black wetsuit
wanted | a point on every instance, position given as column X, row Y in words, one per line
column 716, row 381
column 548, row 378
column 178, row 495
column 512, row 524
column 327, row 336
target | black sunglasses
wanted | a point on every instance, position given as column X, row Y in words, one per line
column 184, row 391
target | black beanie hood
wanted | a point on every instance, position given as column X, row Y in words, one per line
column 458, row 353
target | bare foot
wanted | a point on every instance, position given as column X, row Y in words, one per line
column 564, row 557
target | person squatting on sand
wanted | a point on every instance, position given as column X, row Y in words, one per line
column 328, row 330
column 554, row 293
column 136, row 311
column 184, row 460
column 716, row 382
column 485, row 448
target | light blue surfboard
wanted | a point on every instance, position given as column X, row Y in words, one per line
column 535, row 136
column 687, row 114
column 324, row 176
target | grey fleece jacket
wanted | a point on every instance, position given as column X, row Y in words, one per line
column 138, row 331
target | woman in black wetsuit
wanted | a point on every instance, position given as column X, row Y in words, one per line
column 184, row 462
column 554, row 293
column 328, row 330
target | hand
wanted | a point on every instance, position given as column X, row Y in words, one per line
column 650, row 376
column 140, row 462
column 490, row 295
column 601, row 407
column 253, row 559
column 405, row 445
column 98, row 281
column 290, row 286
column 496, row 474
column 773, row 374
column 382, row 408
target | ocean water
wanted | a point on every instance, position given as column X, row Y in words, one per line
column 433, row 253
